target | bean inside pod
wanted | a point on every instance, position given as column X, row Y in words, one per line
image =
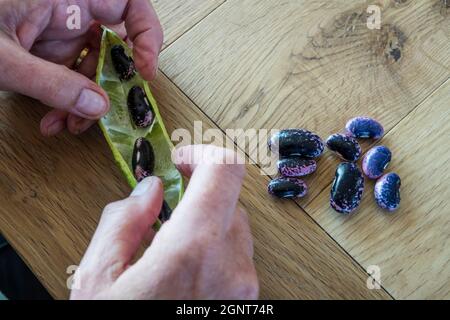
column 143, row 159
column 140, row 108
column 123, row 64
column 166, row 212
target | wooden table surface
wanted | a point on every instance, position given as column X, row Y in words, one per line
column 267, row 64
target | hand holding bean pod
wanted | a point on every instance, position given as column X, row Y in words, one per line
column 187, row 258
column 45, row 59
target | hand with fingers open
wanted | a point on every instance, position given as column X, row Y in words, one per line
column 38, row 54
column 204, row 251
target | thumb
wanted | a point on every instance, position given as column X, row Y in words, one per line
column 122, row 228
column 55, row 85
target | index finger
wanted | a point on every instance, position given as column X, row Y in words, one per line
column 143, row 29
column 215, row 183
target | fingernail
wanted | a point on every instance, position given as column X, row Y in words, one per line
column 90, row 104
column 55, row 128
column 143, row 187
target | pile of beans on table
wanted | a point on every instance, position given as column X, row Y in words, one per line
column 298, row 148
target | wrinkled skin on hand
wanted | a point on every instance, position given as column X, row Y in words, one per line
column 204, row 251
column 38, row 54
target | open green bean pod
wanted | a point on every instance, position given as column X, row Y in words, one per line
column 133, row 127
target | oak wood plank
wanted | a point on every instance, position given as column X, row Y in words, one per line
column 178, row 16
column 52, row 192
column 311, row 64
column 412, row 246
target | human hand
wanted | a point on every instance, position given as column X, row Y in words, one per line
column 203, row 252
column 38, row 51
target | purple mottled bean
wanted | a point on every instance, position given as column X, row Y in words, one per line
column 344, row 146
column 140, row 108
column 143, row 159
column 387, row 192
column 376, row 161
column 347, row 189
column 296, row 166
column 364, row 127
column 287, row 188
column 296, row 142
column 123, row 64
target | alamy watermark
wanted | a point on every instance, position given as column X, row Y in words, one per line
column 374, row 18
column 249, row 145
column 374, row 279
column 73, row 21
column 73, row 282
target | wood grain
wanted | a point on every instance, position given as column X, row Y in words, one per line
column 294, row 257
column 265, row 64
column 412, row 246
column 53, row 191
column 178, row 16
column 311, row 64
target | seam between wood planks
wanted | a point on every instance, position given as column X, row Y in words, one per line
column 167, row 45
column 268, row 179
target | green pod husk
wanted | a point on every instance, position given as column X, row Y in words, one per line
column 120, row 131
